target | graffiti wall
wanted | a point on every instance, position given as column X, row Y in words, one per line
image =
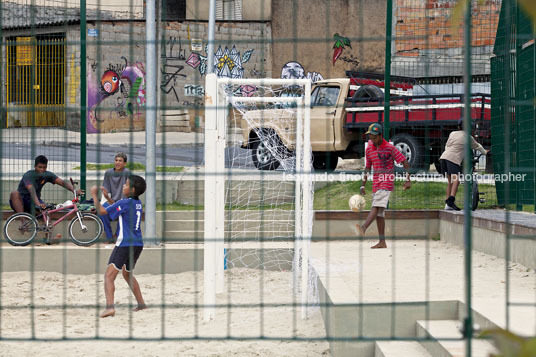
column 116, row 75
column 116, row 100
column 294, row 70
column 328, row 37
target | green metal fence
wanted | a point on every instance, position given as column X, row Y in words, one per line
column 439, row 267
column 516, row 147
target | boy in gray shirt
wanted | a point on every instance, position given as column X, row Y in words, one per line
column 112, row 189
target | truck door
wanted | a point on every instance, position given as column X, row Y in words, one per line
column 324, row 101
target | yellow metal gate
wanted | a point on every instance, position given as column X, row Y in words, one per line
column 36, row 81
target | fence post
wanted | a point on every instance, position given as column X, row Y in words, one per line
column 83, row 96
column 387, row 79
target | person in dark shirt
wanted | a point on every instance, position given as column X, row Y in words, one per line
column 112, row 190
column 28, row 192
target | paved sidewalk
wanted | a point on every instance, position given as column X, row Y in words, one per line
column 61, row 137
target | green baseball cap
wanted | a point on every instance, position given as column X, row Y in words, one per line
column 374, row 129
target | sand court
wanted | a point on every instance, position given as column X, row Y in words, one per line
column 65, row 306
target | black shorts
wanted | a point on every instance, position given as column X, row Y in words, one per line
column 121, row 257
column 449, row 168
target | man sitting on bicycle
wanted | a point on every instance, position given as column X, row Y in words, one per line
column 31, row 184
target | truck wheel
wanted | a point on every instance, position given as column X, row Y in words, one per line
column 325, row 161
column 262, row 157
column 410, row 147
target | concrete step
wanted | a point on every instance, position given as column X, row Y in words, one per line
column 188, row 226
column 175, row 122
column 447, row 339
column 240, row 192
column 235, row 215
column 180, row 128
column 235, row 225
column 400, row 349
column 186, row 235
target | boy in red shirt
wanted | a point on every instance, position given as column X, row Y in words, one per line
column 380, row 155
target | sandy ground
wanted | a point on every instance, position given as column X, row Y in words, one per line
column 416, row 270
column 179, row 293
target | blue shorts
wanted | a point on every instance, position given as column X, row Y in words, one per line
column 26, row 202
column 121, row 256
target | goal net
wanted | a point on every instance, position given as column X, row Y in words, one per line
column 258, row 189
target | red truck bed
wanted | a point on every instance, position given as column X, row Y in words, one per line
column 429, row 110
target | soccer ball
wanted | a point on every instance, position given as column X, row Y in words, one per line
column 357, row 203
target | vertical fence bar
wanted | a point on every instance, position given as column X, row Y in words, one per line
column 307, row 186
column 508, row 76
column 2, row 51
column 150, row 126
column 210, row 210
column 468, row 322
column 211, row 30
column 387, row 85
column 83, row 96
column 8, row 69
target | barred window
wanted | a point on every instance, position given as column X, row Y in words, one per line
column 228, row 9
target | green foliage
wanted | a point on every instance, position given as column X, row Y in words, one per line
column 421, row 195
column 510, row 344
column 177, row 206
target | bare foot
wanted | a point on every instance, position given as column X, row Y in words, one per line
column 359, row 231
column 108, row 312
column 139, row 308
column 381, row 244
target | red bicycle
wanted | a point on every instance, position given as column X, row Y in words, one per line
column 85, row 228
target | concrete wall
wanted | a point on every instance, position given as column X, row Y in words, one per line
column 123, row 6
column 70, row 259
column 252, row 10
column 116, row 69
column 427, row 45
column 493, row 242
column 351, row 327
column 303, row 32
column 395, row 229
column 166, row 190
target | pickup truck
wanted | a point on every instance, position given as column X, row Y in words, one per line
column 343, row 108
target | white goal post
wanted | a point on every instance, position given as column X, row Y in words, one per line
column 220, row 95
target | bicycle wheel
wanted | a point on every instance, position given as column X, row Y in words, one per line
column 20, row 229
column 88, row 234
column 476, row 195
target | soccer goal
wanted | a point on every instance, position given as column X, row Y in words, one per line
column 258, row 189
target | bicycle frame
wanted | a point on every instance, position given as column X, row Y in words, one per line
column 73, row 208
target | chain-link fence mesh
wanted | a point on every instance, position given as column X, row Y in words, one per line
column 75, row 89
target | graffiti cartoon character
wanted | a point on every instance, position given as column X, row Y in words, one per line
column 292, row 70
column 110, row 82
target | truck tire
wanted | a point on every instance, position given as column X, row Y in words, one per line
column 262, row 158
column 325, row 161
column 411, row 148
column 370, row 92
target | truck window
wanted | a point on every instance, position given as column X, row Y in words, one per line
column 325, row 96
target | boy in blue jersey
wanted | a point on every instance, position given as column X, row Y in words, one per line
column 129, row 242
